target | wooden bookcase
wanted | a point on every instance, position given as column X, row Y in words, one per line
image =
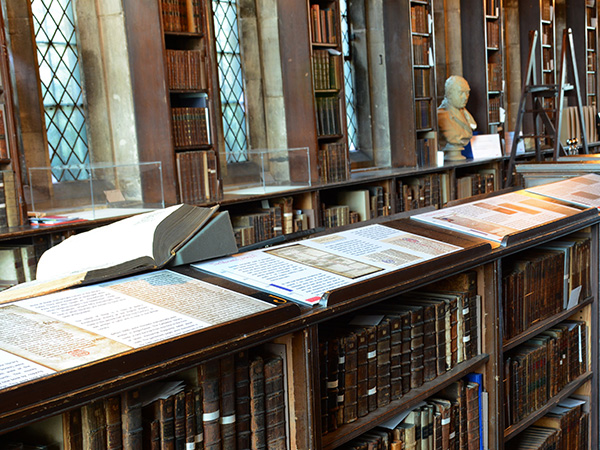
column 483, row 66
column 582, row 18
column 408, row 30
column 539, row 15
column 188, row 67
column 25, row 414
column 328, row 90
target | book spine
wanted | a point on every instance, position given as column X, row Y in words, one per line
column 93, row 425
column 257, row 403
column 350, row 408
column 228, row 418
column 275, row 416
column 208, row 376
column 179, row 422
column 112, row 408
column 383, row 363
column 242, row 399
column 362, row 380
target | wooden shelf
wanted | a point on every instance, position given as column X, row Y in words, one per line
column 413, row 397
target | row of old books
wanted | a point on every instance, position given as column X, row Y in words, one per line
column 18, row 264
column 495, row 76
column 190, row 126
column 333, row 162
column 327, row 70
column 540, row 283
column 421, row 49
column 422, row 82
column 419, row 192
column 238, row 402
column 323, row 25
column 493, row 34
column 450, row 420
column 279, row 217
column 368, row 361
column 491, row 7
column 333, row 216
column 175, row 16
column 197, row 176
column 423, row 114
column 257, row 225
column 540, row 368
column 482, row 182
column 186, row 69
column 328, row 116
column 369, row 202
column 9, row 204
column 565, row 427
column 494, row 106
column 426, row 151
column 419, row 19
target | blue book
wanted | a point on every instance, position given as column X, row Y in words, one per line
column 478, row 378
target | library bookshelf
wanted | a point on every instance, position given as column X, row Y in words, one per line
column 300, row 333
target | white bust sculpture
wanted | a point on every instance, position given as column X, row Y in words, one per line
column 456, row 124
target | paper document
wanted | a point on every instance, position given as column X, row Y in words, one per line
column 305, row 271
column 497, row 217
column 581, row 191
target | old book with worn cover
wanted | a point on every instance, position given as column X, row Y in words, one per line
column 441, row 308
column 350, row 379
column 208, row 378
column 242, row 399
column 227, row 399
column 179, row 419
column 362, row 368
column 257, row 403
column 72, row 432
column 275, row 414
column 93, row 424
column 372, row 367
column 383, row 363
column 131, row 419
column 472, row 398
column 190, row 420
column 332, row 381
column 112, row 409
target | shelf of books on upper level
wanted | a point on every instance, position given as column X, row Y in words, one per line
column 483, row 68
column 328, row 90
column 582, row 19
column 423, row 71
column 187, row 69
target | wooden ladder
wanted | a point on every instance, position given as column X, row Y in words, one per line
column 533, row 97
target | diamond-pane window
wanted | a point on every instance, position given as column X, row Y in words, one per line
column 62, row 92
column 348, row 79
column 229, row 61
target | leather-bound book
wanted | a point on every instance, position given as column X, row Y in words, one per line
column 275, row 416
column 429, row 338
column 257, row 403
column 199, row 413
column 441, row 306
column 362, row 381
column 227, row 399
column 383, row 363
column 324, row 397
column 372, row 367
column 332, row 381
column 350, row 379
column 443, row 407
column 114, row 432
column 208, row 377
column 472, row 397
column 242, row 400
column 131, row 419
column 189, row 420
column 93, row 425
column 165, row 413
column 341, row 381
column 395, row 356
column 456, row 394
column 72, row 437
column 179, row 420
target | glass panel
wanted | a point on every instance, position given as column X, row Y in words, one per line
column 348, row 79
column 62, row 91
column 230, row 79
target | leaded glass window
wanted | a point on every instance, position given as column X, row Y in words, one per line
column 348, row 79
column 61, row 85
column 229, row 61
